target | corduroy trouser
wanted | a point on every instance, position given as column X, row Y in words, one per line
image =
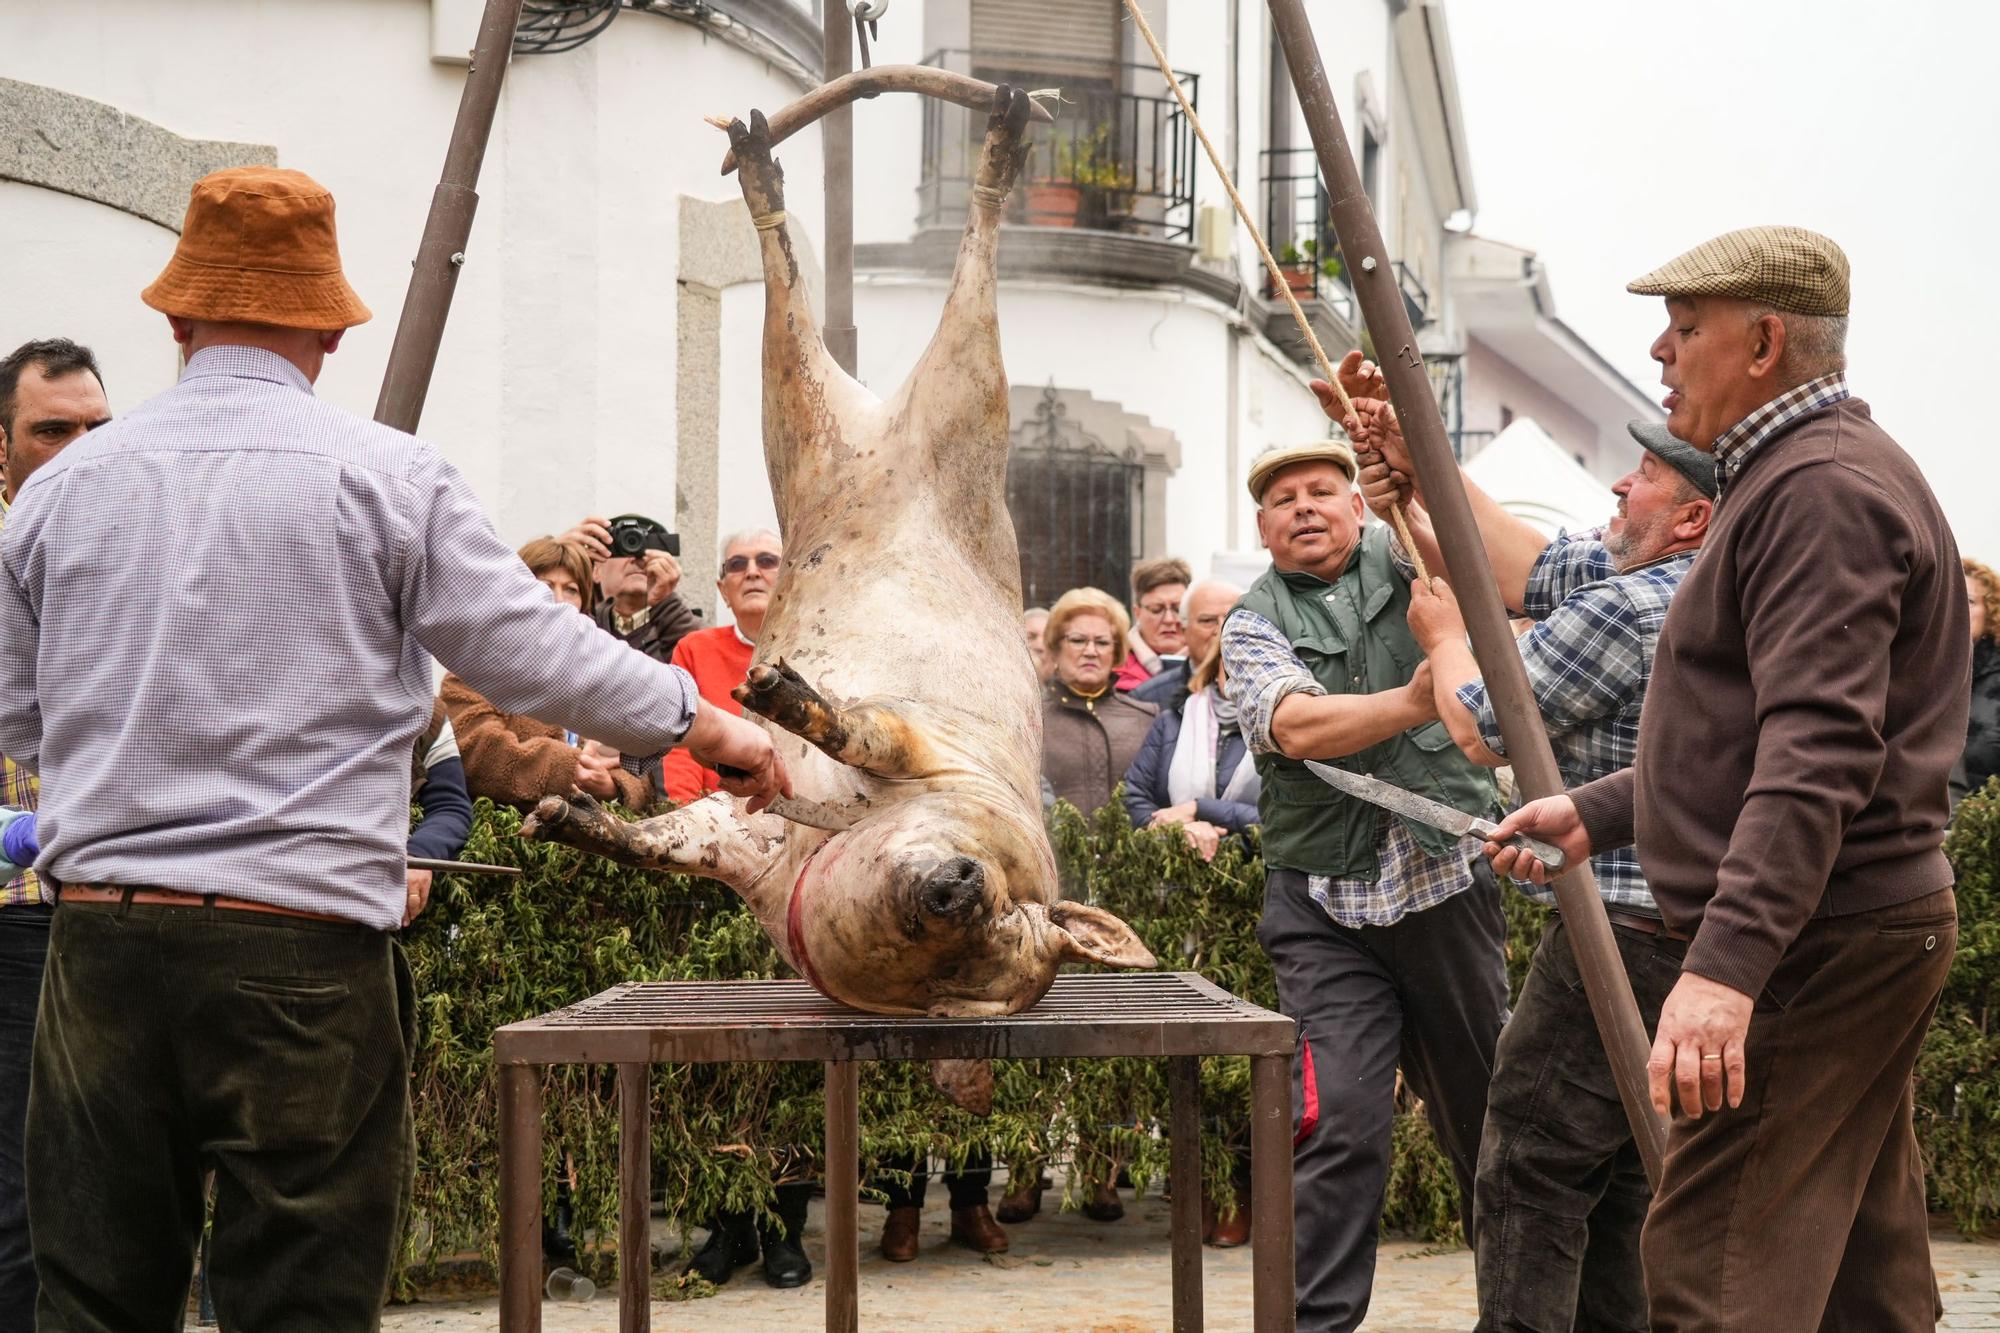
column 1803, row 1208
column 1562, row 1193
column 274, row 1051
column 24, row 944
column 1427, row 994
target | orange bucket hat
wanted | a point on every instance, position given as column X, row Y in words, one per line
column 258, row 246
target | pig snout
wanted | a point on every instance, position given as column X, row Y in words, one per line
column 952, row 890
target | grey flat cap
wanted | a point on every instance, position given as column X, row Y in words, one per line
column 1676, row 453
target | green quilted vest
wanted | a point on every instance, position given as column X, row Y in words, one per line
column 1353, row 636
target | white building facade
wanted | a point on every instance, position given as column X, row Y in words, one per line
column 603, row 350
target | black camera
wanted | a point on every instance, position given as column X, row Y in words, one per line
column 634, row 534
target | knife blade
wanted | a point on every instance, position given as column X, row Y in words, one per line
column 813, row 814
column 1426, row 811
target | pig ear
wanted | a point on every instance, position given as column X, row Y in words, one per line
column 1092, row 935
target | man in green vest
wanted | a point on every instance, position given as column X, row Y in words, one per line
column 1386, row 935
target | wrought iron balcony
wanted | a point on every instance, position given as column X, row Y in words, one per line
column 1120, row 157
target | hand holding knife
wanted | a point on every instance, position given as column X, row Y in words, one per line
column 1435, row 813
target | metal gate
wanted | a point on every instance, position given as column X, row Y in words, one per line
column 1078, row 507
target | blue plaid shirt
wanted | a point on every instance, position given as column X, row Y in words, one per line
column 1262, row 669
column 1588, row 657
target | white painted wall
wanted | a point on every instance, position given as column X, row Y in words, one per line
column 554, row 389
column 1491, row 382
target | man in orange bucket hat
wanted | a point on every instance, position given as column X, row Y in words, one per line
column 226, row 779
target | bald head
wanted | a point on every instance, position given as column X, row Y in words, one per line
column 1202, row 609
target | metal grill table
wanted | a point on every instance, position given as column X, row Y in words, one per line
column 1172, row 1015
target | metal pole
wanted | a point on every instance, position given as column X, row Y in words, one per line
column 442, row 251
column 520, row 1198
column 843, row 1193
column 1184, row 1179
column 837, row 148
column 1604, row 979
column 635, row 1199
column 1273, row 1306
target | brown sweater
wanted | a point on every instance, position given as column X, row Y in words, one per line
column 1806, row 704
column 517, row 760
column 1087, row 744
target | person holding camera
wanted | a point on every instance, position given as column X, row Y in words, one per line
column 637, row 578
column 514, row 759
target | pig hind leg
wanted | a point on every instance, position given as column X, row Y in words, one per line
column 870, row 736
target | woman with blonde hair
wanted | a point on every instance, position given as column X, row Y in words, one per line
column 1090, row 731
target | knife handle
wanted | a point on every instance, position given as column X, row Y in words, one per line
column 1549, row 854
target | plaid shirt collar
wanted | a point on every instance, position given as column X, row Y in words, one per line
column 1734, row 446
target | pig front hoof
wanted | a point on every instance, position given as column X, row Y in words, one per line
column 1010, row 112
column 549, row 814
column 781, row 694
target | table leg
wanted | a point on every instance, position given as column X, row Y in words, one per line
column 1273, row 1302
column 635, row 1200
column 521, row 1198
column 1184, row 1179
column 843, row 1196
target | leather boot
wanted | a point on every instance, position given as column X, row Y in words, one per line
column 899, row 1233
column 785, row 1262
column 1104, row 1205
column 732, row 1243
column 1226, row 1233
column 975, row 1229
column 1019, row 1204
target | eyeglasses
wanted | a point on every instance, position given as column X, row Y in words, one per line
column 1081, row 642
column 736, row 564
column 1161, row 609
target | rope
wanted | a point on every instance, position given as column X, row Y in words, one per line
column 1278, row 282
column 770, row 221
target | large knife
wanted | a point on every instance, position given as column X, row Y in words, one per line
column 813, row 814
column 1426, row 811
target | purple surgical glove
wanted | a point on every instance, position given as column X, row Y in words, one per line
column 19, row 843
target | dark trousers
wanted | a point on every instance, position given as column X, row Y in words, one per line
column 24, row 942
column 1429, row 994
column 1561, row 1192
column 1804, row 1207
column 967, row 1188
column 273, row 1050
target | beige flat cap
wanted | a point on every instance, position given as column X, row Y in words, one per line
column 1337, row 452
column 1786, row 268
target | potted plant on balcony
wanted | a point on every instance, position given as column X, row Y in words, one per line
column 1329, row 267
column 1297, row 266
column 1053, row 193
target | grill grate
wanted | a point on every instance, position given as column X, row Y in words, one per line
column 1150, row 1013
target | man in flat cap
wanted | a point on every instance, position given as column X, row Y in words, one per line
column 1385, row 934
column 1788, row 802
column 226, row 780
column 1561, row 1192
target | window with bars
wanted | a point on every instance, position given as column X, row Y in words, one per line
column 1078, row 506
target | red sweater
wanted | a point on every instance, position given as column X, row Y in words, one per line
column 719, row 661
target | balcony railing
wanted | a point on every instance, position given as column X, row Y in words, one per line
column 1120, row 156
column 1298, row 226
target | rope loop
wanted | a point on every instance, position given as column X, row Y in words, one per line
column 770, row 221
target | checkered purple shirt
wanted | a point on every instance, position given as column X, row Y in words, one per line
column 216, row 620
column 1734, row 446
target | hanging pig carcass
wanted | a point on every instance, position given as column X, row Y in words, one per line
column 890, row 662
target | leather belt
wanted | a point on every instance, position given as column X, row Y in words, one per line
column 1646, row 925
column 112, row 893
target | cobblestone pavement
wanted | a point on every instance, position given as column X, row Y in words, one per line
column 1066, row 1272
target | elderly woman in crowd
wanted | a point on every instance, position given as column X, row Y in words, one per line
column 1193, row 768
column 1090, row 732
column 516, row 760
column 1159, row 638
column 1981, row 759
